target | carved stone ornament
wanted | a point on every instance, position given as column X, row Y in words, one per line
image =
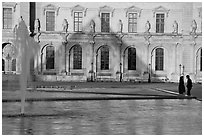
column 160, row 9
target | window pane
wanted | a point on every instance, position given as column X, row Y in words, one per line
column 50, row 57
column 159, row 59
column 7, row 18
column 131, row 59
column 159, row 23
column 3, row 65
column 104, row 58
column 105, row 23
column 77, row 21
column 77, row 57
column 201, row 60
column 50, row 21
column 14, row 65
column 132, row 22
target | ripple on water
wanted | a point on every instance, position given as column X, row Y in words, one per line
column 106, row 117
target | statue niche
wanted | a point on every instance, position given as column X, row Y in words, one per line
column 175, row 27
column 147, row 27
column 193, row 27
column 92, row 26
column 65, row 26
column 120, row 26
column 37, row 26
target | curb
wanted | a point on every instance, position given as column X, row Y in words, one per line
column 96, row 98
column 175, row 93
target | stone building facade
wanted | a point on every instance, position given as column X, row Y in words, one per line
column 107, row 41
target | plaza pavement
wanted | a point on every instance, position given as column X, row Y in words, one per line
column 70, row 91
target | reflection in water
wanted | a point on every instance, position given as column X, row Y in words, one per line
column 106, row 117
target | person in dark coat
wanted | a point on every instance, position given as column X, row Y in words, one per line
column 181, row 85
column 189, row 85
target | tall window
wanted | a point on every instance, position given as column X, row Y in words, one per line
column 14, row 65
column 132, row 22
column 50, row 57
column 77, row 21
column 159, row 59
column 200, row 59
column 3, row 65
column 159, row 23
column 131, row 59
column 7, row 18
column 105, row 22
column 50, row 21
column 77, row 57
column 104, row 58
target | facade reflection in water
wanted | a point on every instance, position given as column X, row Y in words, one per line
column 106, row 117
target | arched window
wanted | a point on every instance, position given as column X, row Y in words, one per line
column 77, row 57
column 104, row 58
column 14, row 65
column 200, row 59
column 131, row 59
column 159, row 59
column 3, row 65
column 50, row 57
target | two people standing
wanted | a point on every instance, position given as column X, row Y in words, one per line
column 189, row 85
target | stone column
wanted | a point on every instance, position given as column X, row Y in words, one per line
column 92, row 61
column 65, row 42
column 120, row 37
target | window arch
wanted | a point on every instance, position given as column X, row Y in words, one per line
column 104, row 58
column 50, row 57
column 131, row 58
column 13, row 65
column 159, row 59
column 77, row 57
column 3, row 65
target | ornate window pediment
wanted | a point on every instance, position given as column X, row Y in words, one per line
column 160, row 9
column 78, row 8
column 133, row 9
column 106, row 9
column 51, row 7
column 9, row 5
